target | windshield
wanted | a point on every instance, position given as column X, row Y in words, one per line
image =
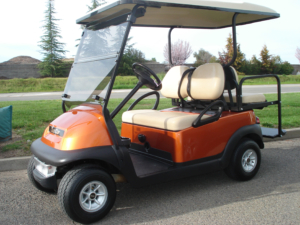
column 94, row 63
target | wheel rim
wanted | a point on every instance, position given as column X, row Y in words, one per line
column 249, row 160
column 93, row 196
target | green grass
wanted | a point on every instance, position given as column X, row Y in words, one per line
column 30, row 118
column 32, row 85
column 290, row 111
column 121, row 82
column 15, row 145
column 284, row 79
column 57, row 84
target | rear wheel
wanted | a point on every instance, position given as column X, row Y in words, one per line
column 245, row 161
column 87, row 194
column 30, row 169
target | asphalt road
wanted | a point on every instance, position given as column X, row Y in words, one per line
column 272, row 197
column 265, row 89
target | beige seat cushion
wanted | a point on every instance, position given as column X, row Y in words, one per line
column 171, row 82
column 174, row 121
column 246, row 98
column 207, row 82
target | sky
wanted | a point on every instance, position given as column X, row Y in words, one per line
column 22, row 21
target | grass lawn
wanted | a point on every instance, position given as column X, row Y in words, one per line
column 121, row 82
column 30, row 118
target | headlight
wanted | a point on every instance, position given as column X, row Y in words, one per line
column 44, row 169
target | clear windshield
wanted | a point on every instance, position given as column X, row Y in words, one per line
column 93, row 65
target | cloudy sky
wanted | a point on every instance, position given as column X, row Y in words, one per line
column 21, row 23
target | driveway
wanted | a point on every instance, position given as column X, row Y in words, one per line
column 272, row 197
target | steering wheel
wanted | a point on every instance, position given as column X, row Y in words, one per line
column 143, row 73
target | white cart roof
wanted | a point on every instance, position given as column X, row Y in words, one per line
column 209, row 14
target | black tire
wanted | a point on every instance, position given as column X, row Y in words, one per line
column 30, row 169
column 236, row 170
column 70, row 189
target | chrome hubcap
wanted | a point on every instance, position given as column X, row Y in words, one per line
column 249, row 160
column 93, row 196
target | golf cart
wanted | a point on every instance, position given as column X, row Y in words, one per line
column 211, row 127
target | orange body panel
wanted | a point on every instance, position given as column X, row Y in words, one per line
column 192, row 143
column 84, row 127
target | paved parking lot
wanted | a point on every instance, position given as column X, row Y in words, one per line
column 272, row 197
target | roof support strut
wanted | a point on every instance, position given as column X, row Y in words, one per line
column 170, row 46
column 234, row 41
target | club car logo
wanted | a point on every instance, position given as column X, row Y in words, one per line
column 56, row 131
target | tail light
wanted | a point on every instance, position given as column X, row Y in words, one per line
column 257, row 120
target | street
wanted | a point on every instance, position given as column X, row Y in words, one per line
column 272, row 197
column 121, row 93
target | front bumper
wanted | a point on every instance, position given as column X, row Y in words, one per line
column 57, row 158
column 46, row 182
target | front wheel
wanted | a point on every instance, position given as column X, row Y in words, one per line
column 87, row 194
column 245, row 161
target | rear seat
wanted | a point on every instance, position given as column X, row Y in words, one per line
column 246, row 98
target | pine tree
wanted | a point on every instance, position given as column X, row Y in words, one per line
column 267, row 62
column 226, row 56
column 52, row 50
column 95, row 4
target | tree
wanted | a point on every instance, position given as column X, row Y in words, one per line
column 226, row 55
column 267, row 63
column 130, row 56
column 95, row 4
column 298, row 54
column 203, row 57
column 52, row 50
column 181, row 51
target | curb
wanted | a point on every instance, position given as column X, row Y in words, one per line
column 14, row 163
column 20, row 163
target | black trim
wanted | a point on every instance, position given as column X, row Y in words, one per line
column 188, row 88
column 108, row 118
column 126, row 99
column 46, row 182
column 199, row 122
column 58, row 158
column 187, row 72
column 263, row 104
column 152, row 152
column 254, row 130
column 202, row 160
column 234, row 41
column 145, row 96
column 63, row 106
column 195, row 167
column 179, row 170
column 170, row 46
column 112, row 22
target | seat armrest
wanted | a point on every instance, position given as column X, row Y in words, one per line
column 199, row 122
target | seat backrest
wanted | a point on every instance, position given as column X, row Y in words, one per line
column 170, row 83
column 230, row 77
column 207, row 82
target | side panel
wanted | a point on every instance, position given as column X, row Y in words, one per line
column 192, row 143
column 83, row 126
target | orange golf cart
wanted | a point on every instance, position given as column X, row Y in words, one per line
column 211, row 126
